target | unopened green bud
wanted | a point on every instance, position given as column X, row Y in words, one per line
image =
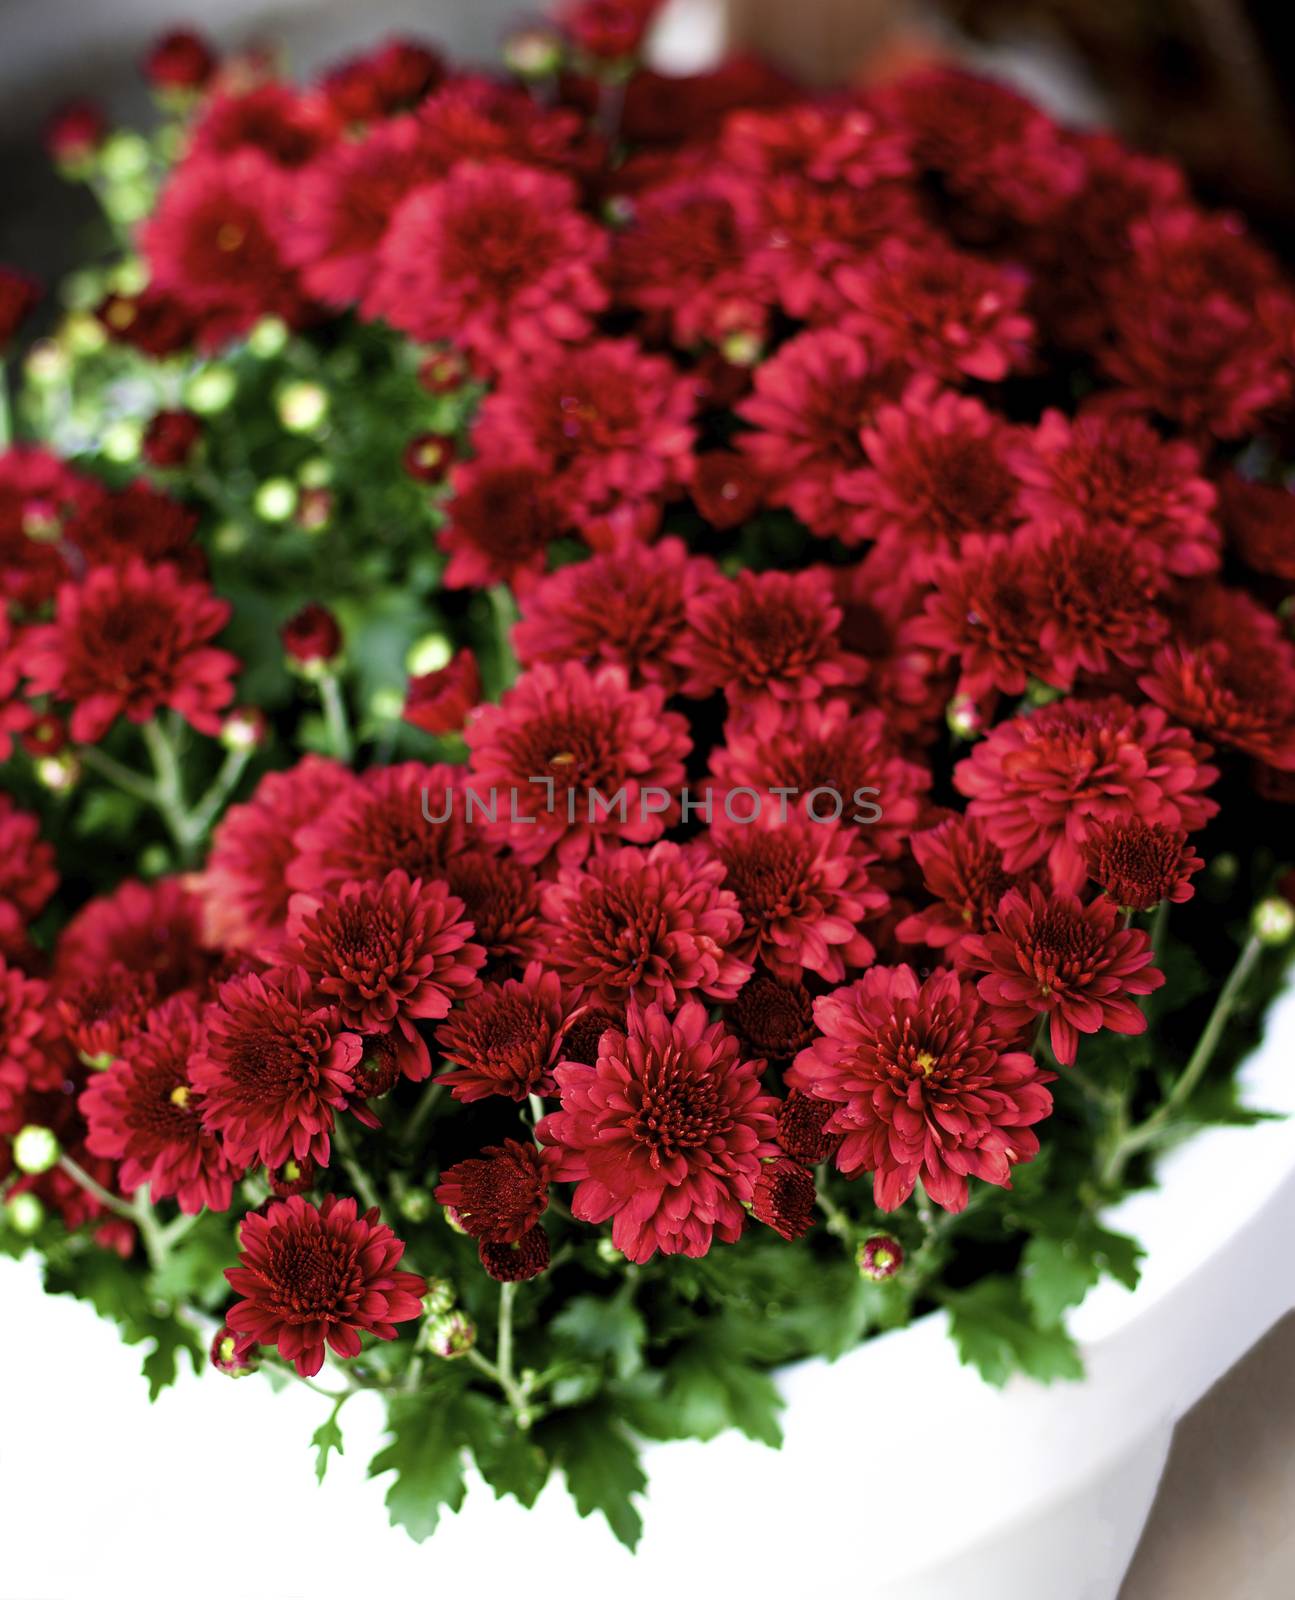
column 608, row 1252
column 122, row 439
column 386, row 705
column 428, row 654
column 123, row 156
column 24, row 1213
column 46, row 364
column 439, row 1297
column 302, row 406
column 210, row 390
column 82, row 334
column 1273, row 921
column 276, row 500
column 268, row 337
column 58, row 773
column 36, row 1149
column 964, row 719
column 449, row 1336
column 879, row 1257
column 453, row 1223
column 416, row 1205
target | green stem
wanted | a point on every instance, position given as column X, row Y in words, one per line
column 109, row 1201
column 222, row 786
column 338, row 723
column 139, row 1211
column 837, row 1221
column 500, row 1370
column 121, row 776
column 503, row 611
column 359, row 1178
column 169, row 789
column 422, row 1111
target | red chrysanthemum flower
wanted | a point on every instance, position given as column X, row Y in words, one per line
column 179, row 60
column 28, row 875
column 573, row 759
column 1228, row 670
column 924, row 1086
column 499, row 524
column 243, row 890
column 293, row 1177
column 664, row 1135
column 1076, row 964
column 501, row 899
column 274, row 1066
column 1260, row 522
column 584, row 1031
column 803, row 889
column 500, row 1194
column 19, row 297
column 75, row 131
column 497, row 258
column 1139, row 864
column 766, row 634
column 394, row 77
column 171, row 439
column 784, row 1198
column 939, row 470
column 982, row 611
column 155, row 324
column 939, row 310
column 1039, row 782
column 103, row 1009
column 1201, row 323
column 825, row 749
column 129, row 641
column 439, row 702
column 109, row 528
column 608, row 30
column 652, row 925
column 963, row 869
column 343, row 203
column 144, row 1112
column 474, row 119
column 386, row 954
column 148, row 927
column 827, row 144
column 611, row 424
column 772, row 1018
column 214, row 243
column 811, row 399
column 726, row 488
column 1117, row 471
column 36, row 492
column 409, row 816
column 285, row 125
column 802, row 1125
column 525, row 1258
column 506, row 1038
column 22, row 1017
column 314, row 1277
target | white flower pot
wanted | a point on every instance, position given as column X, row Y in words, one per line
column 901, row 1469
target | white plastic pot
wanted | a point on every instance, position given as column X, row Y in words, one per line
column 901, row 1471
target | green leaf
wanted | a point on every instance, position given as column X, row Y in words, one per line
column 326, row 1438
column 990, row 1324
column 426, row 1454
column 707, row 1388
column 600, row 1464
column 611, row 1329
column 511, row 1463
column 1057, row 1275
column 171, row 1339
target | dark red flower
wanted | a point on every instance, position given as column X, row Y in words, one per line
column 571, row 759
column 608, row 30
column 75, row 131
column 394, row 77
column 146, row 1113
column 314, row 1277
column 311, row 635
column 129, row 641
column 502, row 901
column 506, row 1038
column 439, row 702
column 155, row 324
column 36, row 492
column 1118, row 472
column 1260, row 523
column 784, row 1198
column 273, row 1068
column 964, row 870
column 111, row 528
column 500, row 1194
column 225, row 1357
column 1041, row 782
column 496, row 257
column 22, row 1017
column 171, row 438
column 499, row 524
column 386, row 954
column 584, row 1031
column 924, row 1085
column 293, row 1177
column 802, row 1125
column 19, row 297
column 646, row 925
column 664, row 1135
column 427, row 456
column 1075, row 964
column 803, row 890
column 525, row 1258
column 28, row 875
column 1139, row 864
column 726, row 488
column 179, row 60
column 271, row 118
column 772, row 1018
column 767, row 634
column 625, row 607
column 811, row 399
column 939, row 471
column 244, row 895
column 104, row 1008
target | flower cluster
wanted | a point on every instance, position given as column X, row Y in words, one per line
column 807, row 703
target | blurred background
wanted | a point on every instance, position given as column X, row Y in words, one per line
column 1210, row 82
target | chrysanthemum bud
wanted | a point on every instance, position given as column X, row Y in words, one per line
column 58, row 773
column 74, row 135
column 784, row 1198
column 439, row 1298
column 268, row 337
column 24, row 1213
column 46, row 364
column 608, row 1252
column 415, row 1205
column 386, row 705
column 122, row 440
column 171, row 438
column 452, row 1221
column 964, row 719
column 1273, row 920
column 36, row 1149
column 429, row 654
column 444, row 372
column 243, row 729
column 225, row 1357
column 275, row 500
column 123, row 156
column 449, row 1336
column 315, row 509
column 879, row 1257
column 311, row 639
column 533, row 52
column 517, row 1261
column 302, row 406
column 83, row 334
column 210, row 391
column 295, row 1176
column 427, row 456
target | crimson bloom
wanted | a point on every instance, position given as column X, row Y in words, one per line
column 439, row 702
column 784, row 1198
column 1139, row 864
column 180, row 60
column 1075, row 964
column 386, row 954
column 499, row 524
column 772, row 1018
column 145, row 1112
column 22, row 1001
column 924, row 1085
column 19, row 297
column 500, row 1194
column 314, row 1277
column 129, row 641
column 664, row 1135
column 506, row 1038
column 963, row 868
column 646, row 925
column 274, row 1067
column 394, row 77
